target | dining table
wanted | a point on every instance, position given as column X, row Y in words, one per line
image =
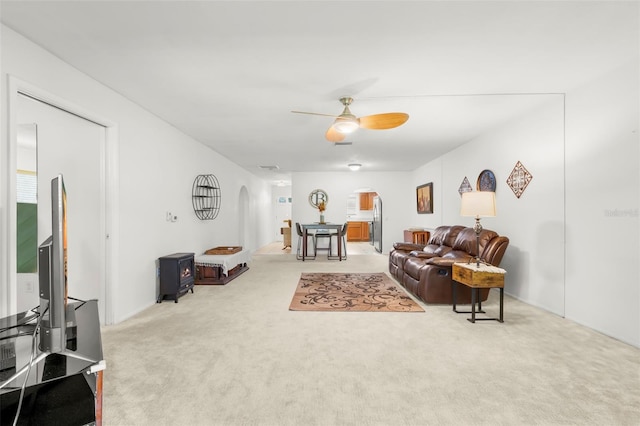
column 316, row 226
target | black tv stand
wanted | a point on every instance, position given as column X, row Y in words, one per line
column 62, row 388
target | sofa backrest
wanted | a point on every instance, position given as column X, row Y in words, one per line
column 458, row 243
column 466, row 240
column 442, row 239
column 494, row 250
column 445, row 235
column 437, row 236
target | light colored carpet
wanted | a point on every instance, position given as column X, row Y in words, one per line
column 236, row 355
column 351, row 292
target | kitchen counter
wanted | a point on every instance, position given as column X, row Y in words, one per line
column 360, row 219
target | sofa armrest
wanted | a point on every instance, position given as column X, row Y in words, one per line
column 439, row 261
column 407, row 246
column 454, row 256
column 421, row 254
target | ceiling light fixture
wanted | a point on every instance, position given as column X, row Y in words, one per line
column 354, row 166
column 346, row 124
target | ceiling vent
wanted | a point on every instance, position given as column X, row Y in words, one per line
column 270, row 168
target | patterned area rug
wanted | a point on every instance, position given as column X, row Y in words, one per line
column 321, row 291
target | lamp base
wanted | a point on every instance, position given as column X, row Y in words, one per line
column 478, row 260
column 478, row 229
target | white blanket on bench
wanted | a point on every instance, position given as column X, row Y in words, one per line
column 226, row 261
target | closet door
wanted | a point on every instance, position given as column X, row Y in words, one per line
column 74, row 147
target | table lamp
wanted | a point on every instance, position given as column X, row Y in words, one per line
column 478, row 204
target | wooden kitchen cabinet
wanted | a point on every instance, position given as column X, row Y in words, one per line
column 358, row 231
column 366, row 200
column 364, row 235
column 354, row 231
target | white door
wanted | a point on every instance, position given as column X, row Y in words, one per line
column 74, row 147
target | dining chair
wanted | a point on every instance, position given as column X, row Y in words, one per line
column 299, row 253
column 342, row 240
column 322, row 234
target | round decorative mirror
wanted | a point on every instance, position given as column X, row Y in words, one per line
column 318, row 196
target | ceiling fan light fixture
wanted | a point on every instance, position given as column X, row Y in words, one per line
column 354, row 166
column 346, row 124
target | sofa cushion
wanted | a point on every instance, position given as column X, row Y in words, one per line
column 434, row 250
column 437, row 237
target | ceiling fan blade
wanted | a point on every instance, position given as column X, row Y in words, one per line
column 333, row 135
column 314, row 113
column 383, row 121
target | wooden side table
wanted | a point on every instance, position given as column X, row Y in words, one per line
column 416, row 237
column 478, row 277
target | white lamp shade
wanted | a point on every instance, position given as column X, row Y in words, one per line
column 478, row 204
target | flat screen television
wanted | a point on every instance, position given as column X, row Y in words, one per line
column 52, row 276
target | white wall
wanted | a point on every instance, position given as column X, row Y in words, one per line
column 154, row 166
column 533, row 222
column 574, row 246
column 603, row 187
column 393, row 187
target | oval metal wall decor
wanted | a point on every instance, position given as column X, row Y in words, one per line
column 206, row 197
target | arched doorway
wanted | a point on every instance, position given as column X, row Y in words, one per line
column 364, row 213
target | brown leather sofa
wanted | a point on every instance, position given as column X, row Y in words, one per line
column 425, row 271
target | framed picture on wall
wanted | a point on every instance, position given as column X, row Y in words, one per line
column 424, row 198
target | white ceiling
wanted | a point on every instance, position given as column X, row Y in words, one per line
column 229, row 73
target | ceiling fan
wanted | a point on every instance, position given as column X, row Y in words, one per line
column 346, row 122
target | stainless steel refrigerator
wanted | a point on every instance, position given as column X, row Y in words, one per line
column 377, row 224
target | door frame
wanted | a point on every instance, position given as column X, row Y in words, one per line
column 108, row 188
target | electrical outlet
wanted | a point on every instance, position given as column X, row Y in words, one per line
column 169, row 217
